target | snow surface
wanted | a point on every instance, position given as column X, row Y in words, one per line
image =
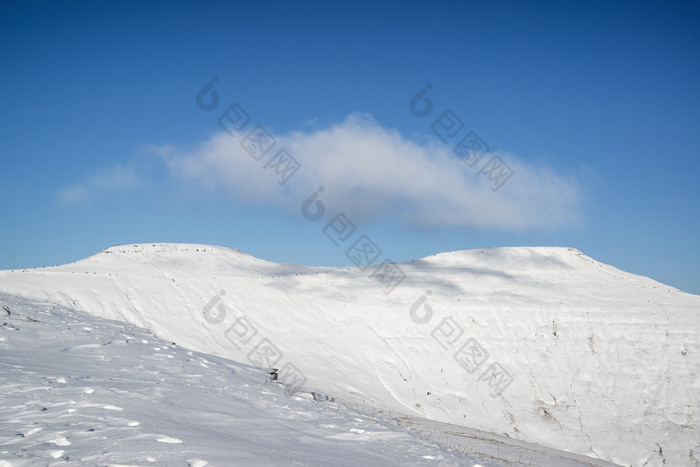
column 82, row 390
column 543, row 345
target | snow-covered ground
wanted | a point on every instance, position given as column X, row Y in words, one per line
column 81, row 390
column 542, row 345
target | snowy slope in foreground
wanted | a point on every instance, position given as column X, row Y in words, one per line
column 81, row 390
column 544, row 345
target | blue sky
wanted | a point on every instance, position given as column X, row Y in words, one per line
column 593, row 106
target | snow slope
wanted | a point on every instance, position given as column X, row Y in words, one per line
column 81, row 390
column 543, row 345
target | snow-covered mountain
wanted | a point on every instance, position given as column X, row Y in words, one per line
column 543, row 345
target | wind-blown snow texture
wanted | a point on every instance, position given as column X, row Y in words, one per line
column 544, row 345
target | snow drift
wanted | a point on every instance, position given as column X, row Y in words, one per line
column 544, row 345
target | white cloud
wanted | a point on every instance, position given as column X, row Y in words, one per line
column 370, row 171
column 115, row 179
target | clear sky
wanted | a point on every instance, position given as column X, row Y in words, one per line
column 593, row 107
